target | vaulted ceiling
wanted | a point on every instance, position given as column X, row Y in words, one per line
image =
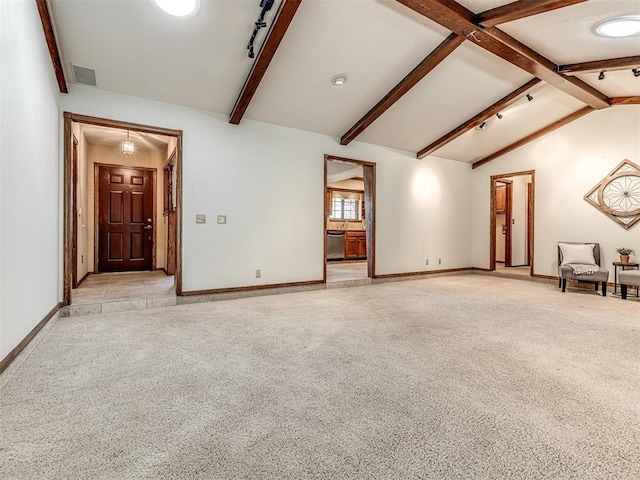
column 417, row 69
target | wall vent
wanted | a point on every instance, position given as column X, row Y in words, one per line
column 86, row 76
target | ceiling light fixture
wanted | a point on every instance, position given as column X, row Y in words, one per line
column 178, row 8
column 601, row 76
column 499, row 115
column 620, row 27
column 529, row 97
column 339, row 80
column 127, row 146
column 636, row 72
column 482, row 126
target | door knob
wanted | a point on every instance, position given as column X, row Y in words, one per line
column 148, row 227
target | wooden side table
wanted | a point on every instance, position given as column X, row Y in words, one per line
column 625, row 266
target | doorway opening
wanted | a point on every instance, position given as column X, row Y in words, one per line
column 349, row 219
column 512, row 220
column 122, row 206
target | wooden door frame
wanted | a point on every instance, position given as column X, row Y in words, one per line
column 508, row 212
column 370, row 220
column 530, row 223
column 492, row 217
column 69, row 226
column 74, row 207
column 96, row 210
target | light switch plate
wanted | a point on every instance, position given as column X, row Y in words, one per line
column 222, row 219
column 201, row 218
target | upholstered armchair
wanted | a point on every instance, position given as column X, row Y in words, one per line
column 581, row 262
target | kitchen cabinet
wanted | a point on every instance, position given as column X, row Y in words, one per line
column 355, row 244
column 501, row 199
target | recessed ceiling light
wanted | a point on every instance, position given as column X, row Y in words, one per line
column 178, row 8
column 339, row 80
column 620, row 27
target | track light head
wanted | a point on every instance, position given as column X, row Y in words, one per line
column 482, row 126
column 601, row 76
column 636, row 72
column 529, row 97
column 260, row 25
column 251, row 53
column 499, row 115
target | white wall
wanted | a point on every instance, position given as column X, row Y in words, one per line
column 568, row 163
column 141, row 158
column 269, row 182
column 30, row 278
column 82, row 226
column 519, row 220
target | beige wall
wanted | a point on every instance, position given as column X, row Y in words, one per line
column 141, row 158
column 82, row 227
column 568, row 163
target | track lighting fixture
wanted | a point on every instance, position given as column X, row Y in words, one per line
column 482, row 126
column 601, row 76
column 636, row 72
column 499, row 115
column 529, row 97
column 265, row 5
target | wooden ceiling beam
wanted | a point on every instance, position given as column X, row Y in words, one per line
column 625, row 101
column 608, row 65
column 479, row 118
column 281, row 22
column 430, row 62
column 458, row 19
column 529, row 138
column 520, row 9
column 52, row 45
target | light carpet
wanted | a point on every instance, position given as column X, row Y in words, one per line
column 459, row 377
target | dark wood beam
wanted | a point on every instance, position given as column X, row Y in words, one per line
column 529, row 138
column 458, row 19
column 520, row 9
column 281, row 22
column 625, row 101
column 430, row 62
column 479, row 118
column 50, row 37
column 608, row 65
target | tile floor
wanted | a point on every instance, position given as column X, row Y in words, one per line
column 111, row 287
column 342, row 271
column 523, row 271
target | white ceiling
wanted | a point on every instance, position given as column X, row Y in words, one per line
column 338, row 171
column 113, row 137
column 202, row 62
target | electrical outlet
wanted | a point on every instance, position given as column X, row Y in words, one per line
column 222, row 219
column 258, row 273
column 426, row 262
column 201, row 218
column 439, row 261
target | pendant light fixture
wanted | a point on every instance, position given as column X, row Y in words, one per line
column 127, row 146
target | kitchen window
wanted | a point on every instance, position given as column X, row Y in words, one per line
column 344, row 208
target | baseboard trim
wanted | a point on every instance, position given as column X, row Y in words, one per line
column 545, row 277
column 11, row 356
column 251, row 288
column 425, row 272
column 478, row 269
column 82, row 280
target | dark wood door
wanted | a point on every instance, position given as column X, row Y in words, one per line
column 125, row 227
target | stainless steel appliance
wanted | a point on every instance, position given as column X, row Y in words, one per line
column 335, row 244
